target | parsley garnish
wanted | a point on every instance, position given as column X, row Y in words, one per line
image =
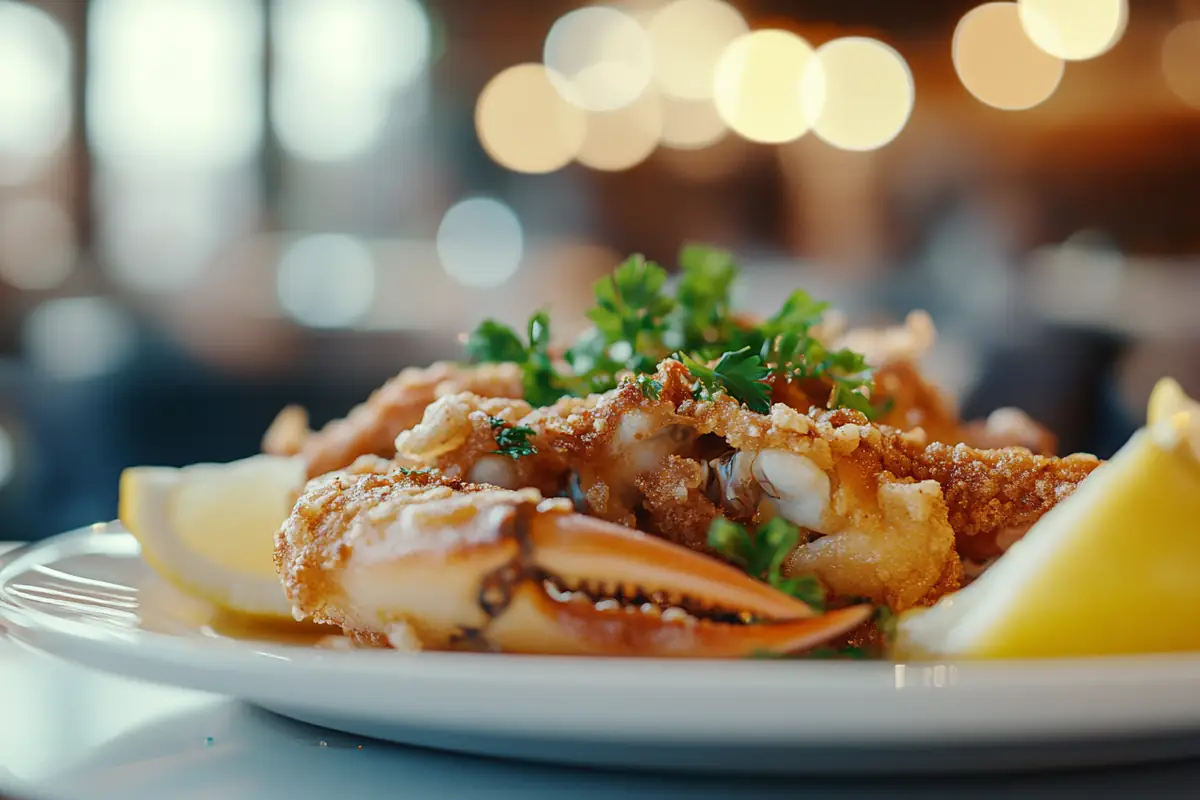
column 651, row 389
column 762, row 555
column 886, row 621
column 703, row 316
column 740, row 374
column 512, row 441
column 637, row 322
column 494, row 342
column 410, row 471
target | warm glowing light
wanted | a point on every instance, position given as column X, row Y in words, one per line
column 759, row 83
column 525, row 125
column 8, row 457
column 599, row 58
column 37, row 244
column 155, row 238
column 78, row 337
column 480, row 242
column 621, row 139
column 690, row 124
column 338, row 68
column 998, row 62
column 174, row 84
column 34, row 70
column 1074, row 30
column 326, row 280
column 1181, row 61
column 687, row 38
column 858, row 93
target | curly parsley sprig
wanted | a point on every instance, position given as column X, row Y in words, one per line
column 637, row 322
column 512, row 440
column 763, row 553
column 740, row 374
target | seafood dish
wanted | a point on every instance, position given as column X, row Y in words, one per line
column 683, row 480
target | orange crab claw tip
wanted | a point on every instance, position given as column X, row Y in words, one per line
column 536, row 623
column 578, row 548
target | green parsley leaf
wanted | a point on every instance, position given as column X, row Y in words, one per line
column 703, row 316
column 651, row 389
column 637, row 323
column 512, row 441
column 630, row 305
column 763, row 553
column 495, row 342
column 542, row 384
column 415, row 470
column 740, row 374
column 886, row 621
column 807, row 588
column 800, row 312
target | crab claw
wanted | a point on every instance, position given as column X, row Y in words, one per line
column 440, row 564
column 606, row 590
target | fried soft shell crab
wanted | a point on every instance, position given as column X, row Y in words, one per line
column 681, row 482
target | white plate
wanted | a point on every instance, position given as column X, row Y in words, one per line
column 87, row 597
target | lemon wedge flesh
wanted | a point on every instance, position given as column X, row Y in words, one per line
column 209, row 529
column 1114, row 569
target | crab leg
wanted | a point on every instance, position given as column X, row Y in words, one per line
column 575, row 550
column 449, row 563
column 535, row 623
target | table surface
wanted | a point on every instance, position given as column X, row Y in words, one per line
column 68, row 732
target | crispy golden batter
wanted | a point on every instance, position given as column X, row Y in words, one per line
column 888, row 511
column 992, row 494
column 419, row 560
column 342, row 512
column 371, row 428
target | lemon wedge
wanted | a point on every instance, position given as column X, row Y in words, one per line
column 1114, row 569
column 209, row 529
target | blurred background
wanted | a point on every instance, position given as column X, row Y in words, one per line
column 212, row 208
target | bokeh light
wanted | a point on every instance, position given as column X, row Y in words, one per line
column 338, row 66
column 759, row 83
column 524, row 124
column 174, row 84
column 155, row 238
column 37, row 244
column 690, row 124
column 326, row 280
column 480, row 242
column 687, row 38
column 1074, row 30
column 858, row 93
column 998, row 62
column 599, row 58
column 34, row 80
column 78, row 337
column 1181, row 61
column 621, row 139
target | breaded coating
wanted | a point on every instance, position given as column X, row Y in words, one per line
column 371, row 427
column 369, row 515
column 886, row 512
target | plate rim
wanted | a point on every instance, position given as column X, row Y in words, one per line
column 906, row 688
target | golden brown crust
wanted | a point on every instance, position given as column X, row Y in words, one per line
column 901, row 508
column 371, row 428
column 312, row 542
column 676, row 505
column 989, row 491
